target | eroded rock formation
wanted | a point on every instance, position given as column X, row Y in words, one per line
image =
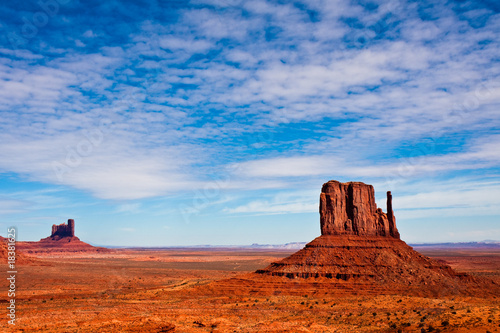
column 62, row 239
column 64, row 230
column 359, row 251
column 350, row 209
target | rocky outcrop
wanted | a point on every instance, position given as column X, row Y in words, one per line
column 64, row 230
column 5, row 253
column 360, row 259
column 350, row 209
column 62, row 239
column 360, row 251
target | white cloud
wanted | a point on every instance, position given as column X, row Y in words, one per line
column 89, row 34
column 132, row 177
column 175, row 44
column 477, row 200
column 481, row 155
column 40, row 89
column 282, row 203
column 264, row 207
column 10, row 206
column 111, row 170
column 287, row 167
column 401, row 88
column 79, row 43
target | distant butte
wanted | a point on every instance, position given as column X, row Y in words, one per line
column 359, row 251
column 62, row 239
column 63, row 230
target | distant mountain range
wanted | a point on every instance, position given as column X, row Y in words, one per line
column 300, row 245
column 468, row 245
column 287, row 246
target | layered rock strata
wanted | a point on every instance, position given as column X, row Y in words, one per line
column 360, row 250
column 350, row 209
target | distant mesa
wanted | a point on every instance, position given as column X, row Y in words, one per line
column 62, row 233
column 359, row 251
column 62, row 239
column 63, row 230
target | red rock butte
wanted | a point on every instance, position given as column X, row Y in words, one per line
column 64, row 230
column 359, row 251
column 62, row 239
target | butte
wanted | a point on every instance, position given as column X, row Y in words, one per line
column 62, row 239
column 359, row 252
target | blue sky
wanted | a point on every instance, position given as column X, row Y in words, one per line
column 217, row 121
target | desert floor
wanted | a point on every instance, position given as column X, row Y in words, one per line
column 159, row 291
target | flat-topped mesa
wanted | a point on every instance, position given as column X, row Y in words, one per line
column 64, row 230
column 350, row 209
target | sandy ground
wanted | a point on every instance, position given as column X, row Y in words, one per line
column 159, row 291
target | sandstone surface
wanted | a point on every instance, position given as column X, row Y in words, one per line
column 350, row 209
column 20, row 258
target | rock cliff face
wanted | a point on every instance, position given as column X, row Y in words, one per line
column 64, row 230
column 350, row 209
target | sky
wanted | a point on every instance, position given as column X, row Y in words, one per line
column 169, row 123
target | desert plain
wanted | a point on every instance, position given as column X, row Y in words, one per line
column 175, row 290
